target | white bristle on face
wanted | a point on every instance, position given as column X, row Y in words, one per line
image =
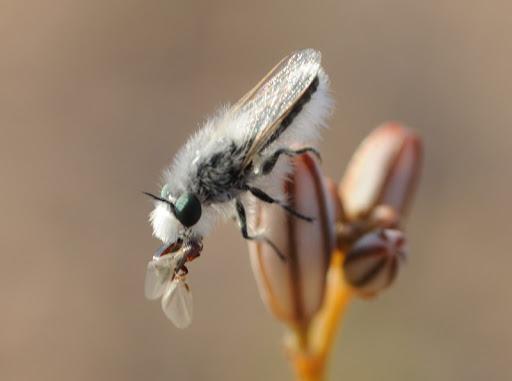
column 165, row 226
column 168, row 229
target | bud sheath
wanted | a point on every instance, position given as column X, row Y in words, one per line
column 293, row 289
column 383, row 171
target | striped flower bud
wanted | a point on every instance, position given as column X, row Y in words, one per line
column 332, row 189
column 383, row 171
column 293, row 289
column 371, row 265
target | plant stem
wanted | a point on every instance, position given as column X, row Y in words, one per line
column 338, row 294
column 310, row 349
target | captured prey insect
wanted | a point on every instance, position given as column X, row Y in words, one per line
column 165, row 277
column 237, row 155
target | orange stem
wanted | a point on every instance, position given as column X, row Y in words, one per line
column 310, row 349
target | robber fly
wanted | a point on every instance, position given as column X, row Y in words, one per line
column 237, row 153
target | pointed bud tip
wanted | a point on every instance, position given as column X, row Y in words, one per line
column 383, row 170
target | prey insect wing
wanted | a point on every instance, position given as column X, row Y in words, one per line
column 177, row 303
column 158, row 272
column 268, row 103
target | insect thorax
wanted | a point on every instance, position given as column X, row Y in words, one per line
column 220, row 177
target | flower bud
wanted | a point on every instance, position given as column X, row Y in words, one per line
column 332, row 190
column 293, row 288
column 372, row 263
column 383, row 171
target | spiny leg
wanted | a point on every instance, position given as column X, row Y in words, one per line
column 258, row 193
column 242, row 218
column 180, row 269
column 269, row 163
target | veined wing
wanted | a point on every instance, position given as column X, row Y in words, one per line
column 177, row 303
column 267, row 104
column 158, row 274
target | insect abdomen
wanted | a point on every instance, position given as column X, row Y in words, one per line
column 294, row 111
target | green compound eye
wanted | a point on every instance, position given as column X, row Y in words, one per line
column 164, row 193
column 188, row 209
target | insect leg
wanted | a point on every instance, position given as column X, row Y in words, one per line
column 271, row 161
column 181, row 259
column 258, row 193
column 242, row 219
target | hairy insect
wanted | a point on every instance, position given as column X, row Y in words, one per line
column 243, row 150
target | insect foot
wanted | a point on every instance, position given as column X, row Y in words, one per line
column 293, row 290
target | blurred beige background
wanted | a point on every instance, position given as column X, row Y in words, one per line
column 95, row 98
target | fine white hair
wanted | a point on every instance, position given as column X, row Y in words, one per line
column 221, row 130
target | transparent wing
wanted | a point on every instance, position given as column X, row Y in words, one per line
column 158, row 273
column 269, row 101
column 177, row 303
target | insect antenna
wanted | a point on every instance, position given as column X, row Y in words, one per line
column 154, row 197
